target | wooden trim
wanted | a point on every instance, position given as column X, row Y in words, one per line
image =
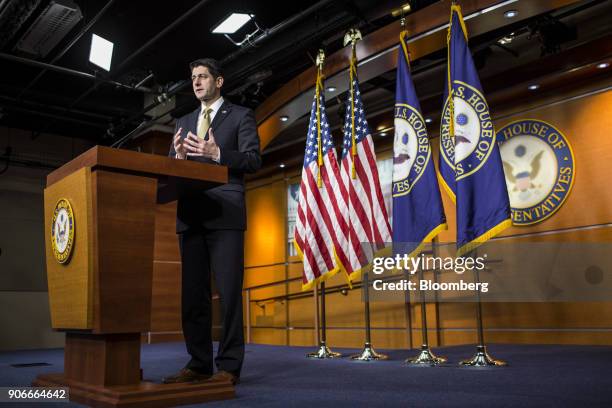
column 378, row 54
column 142, row 164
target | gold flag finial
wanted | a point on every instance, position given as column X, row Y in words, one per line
column 400, row 11
column 352, row 36
column 320, row 59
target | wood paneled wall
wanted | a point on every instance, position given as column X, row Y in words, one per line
column 587, row 214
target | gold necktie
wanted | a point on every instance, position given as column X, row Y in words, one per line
column 204, row 123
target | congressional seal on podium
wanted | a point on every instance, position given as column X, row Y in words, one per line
column 62, row 231
column 539, row 167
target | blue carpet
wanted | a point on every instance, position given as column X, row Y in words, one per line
column 274, row 376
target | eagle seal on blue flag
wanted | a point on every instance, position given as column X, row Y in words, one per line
column 470, row 164
column 418, row 214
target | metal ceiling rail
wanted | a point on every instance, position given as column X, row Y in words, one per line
column 67, row 47
column 64, row 70
column 145, row 46
column 181, row 85
column 52, row 116
column 62, row 109
column 277, row 29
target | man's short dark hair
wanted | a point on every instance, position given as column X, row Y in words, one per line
column 212, row 64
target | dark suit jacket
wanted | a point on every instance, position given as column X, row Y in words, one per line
column 222, row 207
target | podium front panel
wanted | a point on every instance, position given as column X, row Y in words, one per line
column 71, row 282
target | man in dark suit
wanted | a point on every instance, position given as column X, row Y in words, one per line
column 211, row 225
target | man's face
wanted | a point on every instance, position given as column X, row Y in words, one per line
column 205, row 86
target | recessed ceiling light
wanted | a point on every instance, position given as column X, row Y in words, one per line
column 428, row 120
column 282, row 165
column 232, row 23
column 511, row 13
column 533, row 87
column 603, row 65
column 331, row 88
column 284, row 118
column 383, row 134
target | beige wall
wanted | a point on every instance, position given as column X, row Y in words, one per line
column 24, row 304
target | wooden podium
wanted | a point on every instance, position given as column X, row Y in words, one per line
column 101, row 294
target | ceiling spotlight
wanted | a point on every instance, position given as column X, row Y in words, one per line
column 511, row 13
column 428, row 120
column 284, row 118
column 232, row 23
column 101, row 52
column 235, row 22
column 506, row 39
column 603, row 65
column 383, row 134
column 282, row 165
column 330, row 88
column 533, row 87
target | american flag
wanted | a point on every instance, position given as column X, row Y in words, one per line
column 365, row 212
column 319, row 226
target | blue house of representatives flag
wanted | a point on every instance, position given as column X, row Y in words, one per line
column 418, row 214
column 470, row 164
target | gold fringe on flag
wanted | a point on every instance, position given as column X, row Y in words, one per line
column 403, row 36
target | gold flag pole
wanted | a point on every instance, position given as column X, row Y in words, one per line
column 351, row 37
column 319, row 87
column 426, row 357
column 323, row 350
column 368, row 353
column 481, row 358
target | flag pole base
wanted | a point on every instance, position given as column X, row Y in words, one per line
column 323, row 352
column 482, row 359
column 426, row 357
column 368, row 354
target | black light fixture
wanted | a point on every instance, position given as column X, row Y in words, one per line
column 552, row 34
column 234, row 22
